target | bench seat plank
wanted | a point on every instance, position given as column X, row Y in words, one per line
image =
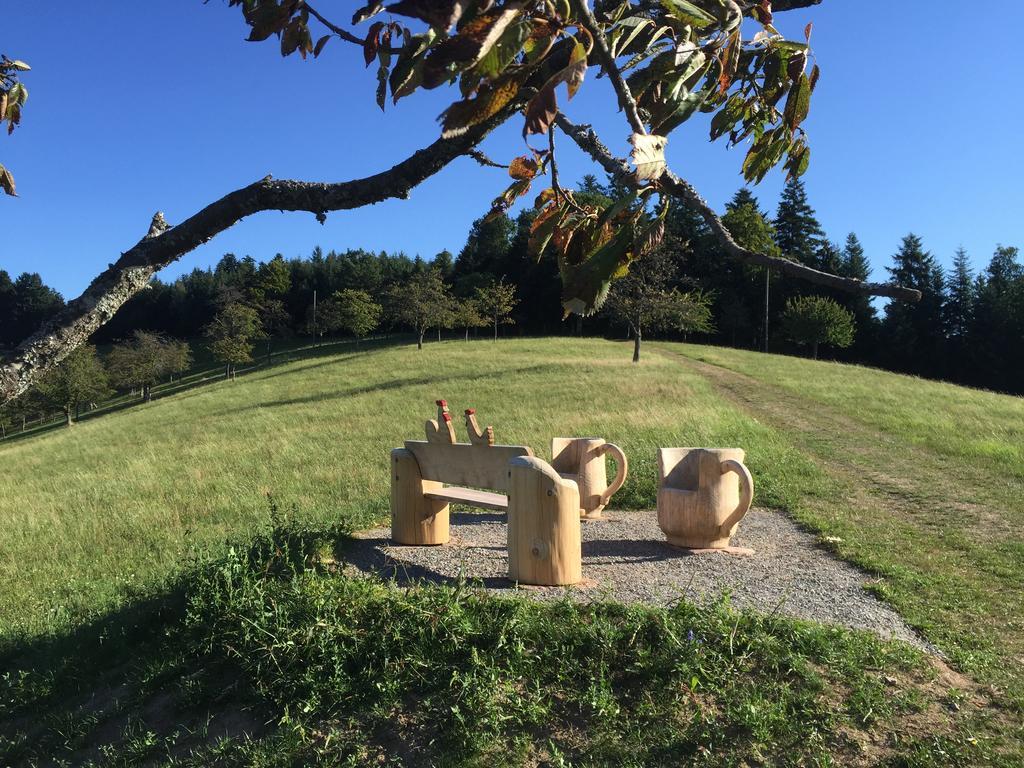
column 471, row 497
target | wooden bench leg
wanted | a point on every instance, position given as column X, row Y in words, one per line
column 543, row 525
column 415, row 519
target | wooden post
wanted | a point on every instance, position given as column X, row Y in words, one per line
column 543, row 525
column 581, row 459
column 415, row 519
column 703, row 495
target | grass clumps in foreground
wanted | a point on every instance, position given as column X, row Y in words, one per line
column 274, row 657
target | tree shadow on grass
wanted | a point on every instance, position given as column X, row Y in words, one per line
column 383, row 386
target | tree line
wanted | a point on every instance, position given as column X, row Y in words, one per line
column 968, row 327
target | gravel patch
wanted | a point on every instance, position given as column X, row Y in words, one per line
column 626, row 558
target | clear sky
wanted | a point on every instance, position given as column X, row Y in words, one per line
column 161, row 105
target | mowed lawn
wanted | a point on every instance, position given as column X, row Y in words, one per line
column 113, row 504
column 918, row 482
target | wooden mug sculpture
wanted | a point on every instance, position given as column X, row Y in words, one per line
column 702, row 495
column 581, row 459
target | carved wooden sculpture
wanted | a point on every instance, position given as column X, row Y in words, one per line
column 581, row 459
column 543, row 508
column 442, row 430
column 543, row 525
column 476, row 436
column 702, row 496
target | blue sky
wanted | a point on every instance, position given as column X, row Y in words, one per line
column 137, row 107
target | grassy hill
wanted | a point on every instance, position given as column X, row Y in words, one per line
column 115, row 536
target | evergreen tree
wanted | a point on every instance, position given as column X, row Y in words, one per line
column 853, row 263
column 742, row 199
column 997, row 332
column 914, row 334
column 959, row 315
column 797, row 231
column 960, row 295
column 740, row 287
column 34, row 302
column 485, row 256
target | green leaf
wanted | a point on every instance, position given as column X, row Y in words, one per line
column 798, row 104
column 688, row 13
column 727, row 116
column 382, row 86
column 505, row 50
column 585, row 286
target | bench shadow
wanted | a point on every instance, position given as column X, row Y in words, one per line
column 632, row 550
column 368, row 556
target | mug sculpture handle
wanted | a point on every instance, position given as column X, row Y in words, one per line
column 746, row 491
column 621, row 466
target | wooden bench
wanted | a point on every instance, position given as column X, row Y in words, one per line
column 429, row 475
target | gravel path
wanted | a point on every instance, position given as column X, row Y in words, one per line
column 626, row 558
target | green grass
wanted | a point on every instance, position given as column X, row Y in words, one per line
column 113, row 504
column 108, row 524
column 925, row 487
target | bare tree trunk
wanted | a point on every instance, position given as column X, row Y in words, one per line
column 495, row 328
column 419, row 343
column 147, row 393
column 815, row 350
column 68, row 420
column 439, row 333
column 227, row 370
column 467, row 333
column 636, row 345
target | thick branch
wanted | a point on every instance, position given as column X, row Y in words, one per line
column 626, row 100
column 165, row 245
column 588, row 141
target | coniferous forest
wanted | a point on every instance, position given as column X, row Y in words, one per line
column 968, row 327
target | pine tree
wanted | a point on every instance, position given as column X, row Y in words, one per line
column 797, row 232
column 742, row 286
column 961, row 293
column 915, row 334
column 743, row 198
column 853, row 263
column 960, row 290
column 997, row 333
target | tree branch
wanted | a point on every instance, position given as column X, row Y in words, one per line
column 588, row 141
column 626, row 100
column 164, row 245
column 344, row 34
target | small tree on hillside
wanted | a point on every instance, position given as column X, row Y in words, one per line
column 145, row 359
column 231, row 335
column 643, row 301
column 79, row 380
column 422, row 303
column 357, row 312
column 466, row 314
column 817, row 320
column 496, row 302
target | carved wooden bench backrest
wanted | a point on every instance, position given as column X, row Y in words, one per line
column 478, row 466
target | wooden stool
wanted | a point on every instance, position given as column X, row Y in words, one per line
column 581, row 459
column 703, row 495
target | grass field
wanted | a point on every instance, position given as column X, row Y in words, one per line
column 918, row 482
